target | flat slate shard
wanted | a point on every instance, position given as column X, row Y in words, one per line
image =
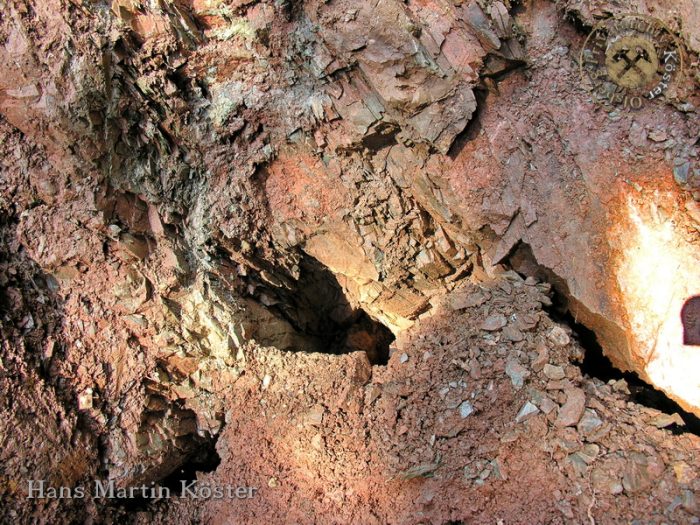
column 527, row 411
column 570, row 413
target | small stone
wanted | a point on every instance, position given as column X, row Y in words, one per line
column 424, row 470
column 498, row 470
column 183, row 392
column 317, row 441
column 658, row 135
column 554, row 373
column 494, row 322
column 563, row 384
column 66, row 273
column 589, row 423
column 620, row 386
column 541, row 359
column 136, row 246
column 693, row 209
column 547, row 405
column 680, row 171
column 315, row 416
column 578, row 463
column 570, row 413
column 527, row 322
column 666, row 420
column 113, row 231
column 558, row 336
column 636, row 476
column 184, row 366
column 511, row 333
column 266, row 382
column 565, row 508
column 589, row 453
column 528, row 411
column 460, row 301
column 465, row 409
column 517, row 373
column 472, row 470
column 685, row 474
column 689, row 501
column 510, row 437
column 605, row 481
column 403, row 358
column 85, row 399
column 673, row 506
column 272, row 482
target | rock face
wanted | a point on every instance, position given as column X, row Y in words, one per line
column 188, row 181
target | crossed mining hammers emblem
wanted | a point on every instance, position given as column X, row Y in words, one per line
column 631, row 62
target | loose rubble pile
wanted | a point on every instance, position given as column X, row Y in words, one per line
column 481, row 415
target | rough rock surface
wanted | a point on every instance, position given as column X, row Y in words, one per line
column 188, row 189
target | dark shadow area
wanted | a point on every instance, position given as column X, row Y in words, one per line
column 383, row 135
column 366, row 335
column 319, row 309
column 518, row 7
column 181, row 481
column 471, row 131
column 595, row 364
column 204, row 459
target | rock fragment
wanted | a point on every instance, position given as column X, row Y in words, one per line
column 460, row 300
column 547, row 405
column 553, row 372
column 589, row 423
column 526, row 412
column 315, row 416
column 636, row 476
column 666, row 420
column 541, row 359
column 517, row 373
column 570, row 413
column 465, row 409
column 494, row 322
column 558, row 336
column 606, row 481
column 511, row 333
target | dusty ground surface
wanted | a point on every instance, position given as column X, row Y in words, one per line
column 216, row 215
column 480, row 416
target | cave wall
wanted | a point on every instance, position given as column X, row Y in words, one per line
column 169, row 165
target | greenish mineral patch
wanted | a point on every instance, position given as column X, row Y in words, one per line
column 236, row 27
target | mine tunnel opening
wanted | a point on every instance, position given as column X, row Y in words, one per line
column 320, row 309
column 204, row 458
column 595, row 363
column 364, row 334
